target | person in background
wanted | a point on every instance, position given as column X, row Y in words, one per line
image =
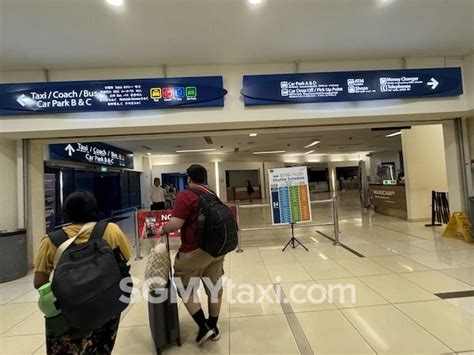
column 250, row 190
column 191, row 261
column 80, row 208
column 157, row 196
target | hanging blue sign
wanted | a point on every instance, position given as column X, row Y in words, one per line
column 351, row 86
column 111, row 95
column 92, row 153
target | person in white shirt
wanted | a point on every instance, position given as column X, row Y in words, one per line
column 157, row 196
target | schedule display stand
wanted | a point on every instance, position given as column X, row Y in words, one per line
column 293, row 242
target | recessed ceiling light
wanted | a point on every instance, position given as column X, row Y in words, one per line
column 312, row 144
column 115, row 2
column 393, row 134
column 254, row 2
column 271, row 152
column 309, row 152
column 148, row 153
column 253, row 134
column 196, row 150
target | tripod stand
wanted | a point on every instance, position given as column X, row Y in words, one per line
column 293, row 240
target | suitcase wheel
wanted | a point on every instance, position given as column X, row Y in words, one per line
column 178, row 342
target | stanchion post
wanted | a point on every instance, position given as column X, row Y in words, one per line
column 335, row 215
column 137, row 238
column 239, row 246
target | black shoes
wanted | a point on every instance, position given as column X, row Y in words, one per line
column 204, row 334
column 216, row 336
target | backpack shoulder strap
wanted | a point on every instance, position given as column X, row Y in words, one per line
column 198, row 192
column 98, row 231
column 58, row 237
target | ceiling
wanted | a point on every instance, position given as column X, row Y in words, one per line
column 332, row 142
column 67, row 34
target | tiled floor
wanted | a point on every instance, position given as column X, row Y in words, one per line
column 395, row 311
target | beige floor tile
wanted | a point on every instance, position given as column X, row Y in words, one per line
column 12, row 314
column 245, row 302
column 402, row 247
column 363, row 295
column 137, row 315
column 262, row 335
column 465, row 256
column 445, row 321
column 247, row 258
column 465, row 303
column 436, row 261
column 389, row 331
column 29, row 297
column 439, row 244
column 395, row 288
column 273, row 257
column 312, row 255
column 437, row 282
column 462, row 274
column 287, row 273
column 25, row 344
column 399, row 263
column 372, row 250
column 329, row 269
column 363, row 267
column 249, row 274
column 14, row 290
column 134, row 340
column 184, row 315
column 307, row 296
column 325, row 330
column 334, row 253
column 33, row 324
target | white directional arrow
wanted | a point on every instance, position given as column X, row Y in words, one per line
column 69, row 149
column 433, row 83
column 21, row 100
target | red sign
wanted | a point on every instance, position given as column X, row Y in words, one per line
column 150, row 221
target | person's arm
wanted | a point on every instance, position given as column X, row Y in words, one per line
column 173, row 225
column 40, row 279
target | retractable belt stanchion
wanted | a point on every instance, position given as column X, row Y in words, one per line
column 335, row 216
column 137, row 238
column 239, row 245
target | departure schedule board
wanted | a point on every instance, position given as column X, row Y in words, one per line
column 289, row 193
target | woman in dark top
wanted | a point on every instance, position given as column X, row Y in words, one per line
column 250, row 190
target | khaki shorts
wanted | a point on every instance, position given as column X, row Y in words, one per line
column 198, row 264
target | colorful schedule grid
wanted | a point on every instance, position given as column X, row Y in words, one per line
column 289, row 195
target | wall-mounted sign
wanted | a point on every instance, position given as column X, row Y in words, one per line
column 351, row 86
column 93, row 153
column 111, row 95
column 289, row 194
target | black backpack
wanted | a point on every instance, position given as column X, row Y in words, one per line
column 86, row 281
column 217, row 231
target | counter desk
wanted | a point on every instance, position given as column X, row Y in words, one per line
column 389, row 200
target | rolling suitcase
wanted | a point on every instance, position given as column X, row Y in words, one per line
column 163, row 316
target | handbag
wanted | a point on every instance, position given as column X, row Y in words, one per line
column 158, row 267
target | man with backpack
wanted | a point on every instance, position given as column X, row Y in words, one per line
column 89, row 263
column 208, row 232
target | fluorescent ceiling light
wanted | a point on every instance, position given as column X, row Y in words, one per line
column 394, row 134
column 312, row 144
column 253, row 134
column 309, row 152
column 254, row 2
column 115, row 2
column 148, row 153
column 271, row 152
column 196, row 150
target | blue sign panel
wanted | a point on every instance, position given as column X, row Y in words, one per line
column 111, row 95
column 93, row 153
column 351, row 86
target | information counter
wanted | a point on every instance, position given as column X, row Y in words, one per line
column 389, row 200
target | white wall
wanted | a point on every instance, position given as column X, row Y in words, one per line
column 8, row 186
column 234, row 115
column 425, row 168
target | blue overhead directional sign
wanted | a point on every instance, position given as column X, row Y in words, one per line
column 111, row 95
column 351, row 86
column 92, row 153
